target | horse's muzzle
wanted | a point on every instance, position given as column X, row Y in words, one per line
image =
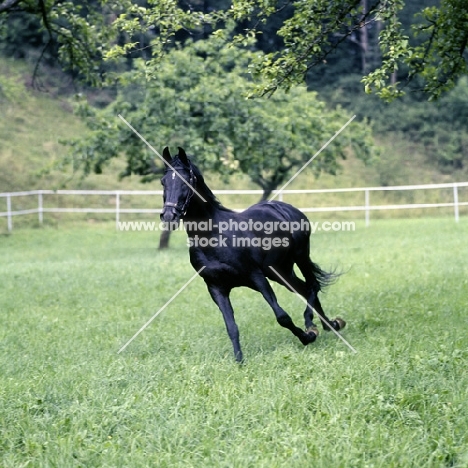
column 170, row 214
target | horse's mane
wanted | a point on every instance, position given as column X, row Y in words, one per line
column 204, row 190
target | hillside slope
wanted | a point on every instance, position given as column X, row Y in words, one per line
column 32, row 125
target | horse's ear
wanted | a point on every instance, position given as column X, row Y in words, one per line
column 167, row 155
column 182, row 156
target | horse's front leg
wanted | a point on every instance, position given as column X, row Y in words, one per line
column 220, row 295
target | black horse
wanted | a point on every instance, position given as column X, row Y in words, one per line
column 244, row 249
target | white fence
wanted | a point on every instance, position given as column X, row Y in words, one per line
column 117, row 210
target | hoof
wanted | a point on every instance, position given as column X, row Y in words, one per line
column 313, row 331
column 337, row 324
column 310, row 336
column 340, row 322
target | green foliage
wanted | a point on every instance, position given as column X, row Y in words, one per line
column 83, row 33
column 437, row 130
column 330, row 37
column 440, row 128
column 441, row 59
column 74, row 34
column 197, row 98
column 11, row 88
column 437, row 56
column 20, row 33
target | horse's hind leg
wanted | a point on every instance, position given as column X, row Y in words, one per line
column 262, row 285
column 337, row 324
column 300, row 287
column 313, row 302
column 221, row 297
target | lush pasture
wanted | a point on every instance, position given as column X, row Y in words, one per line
column 70, row 298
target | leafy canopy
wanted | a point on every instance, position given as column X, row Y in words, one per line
column 86, row 32
column 195, row 97
column 435, row 54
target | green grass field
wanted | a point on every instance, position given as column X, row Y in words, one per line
column 71, row 297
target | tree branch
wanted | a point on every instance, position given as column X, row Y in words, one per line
column 315, row 59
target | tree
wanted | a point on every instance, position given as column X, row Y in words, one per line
column 318, row 27
column 313, row 29
column 85, row 32
column 196, row 98
column 74, row 34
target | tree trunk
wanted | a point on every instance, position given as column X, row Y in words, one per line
column 266, row 194
column 164, row 240
column 364, row 37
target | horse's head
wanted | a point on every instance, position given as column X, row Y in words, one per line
column 178, row 182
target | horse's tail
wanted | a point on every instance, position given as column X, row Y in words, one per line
column 324, row 278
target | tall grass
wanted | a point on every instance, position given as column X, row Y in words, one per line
column 70, row 298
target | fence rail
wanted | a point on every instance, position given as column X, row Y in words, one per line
column 367, row 207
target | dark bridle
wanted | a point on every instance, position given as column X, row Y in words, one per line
column 191, row 182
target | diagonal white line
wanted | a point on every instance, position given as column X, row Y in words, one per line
column 161, row 309
column 312, row 158
column 323, row 319
column 159, row 156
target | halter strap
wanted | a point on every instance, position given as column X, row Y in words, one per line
column 183, row 209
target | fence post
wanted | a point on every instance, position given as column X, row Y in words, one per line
column 10, row 224
column 366, row 202
column 40, row 209
column 455, row 202
column 117, row 210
